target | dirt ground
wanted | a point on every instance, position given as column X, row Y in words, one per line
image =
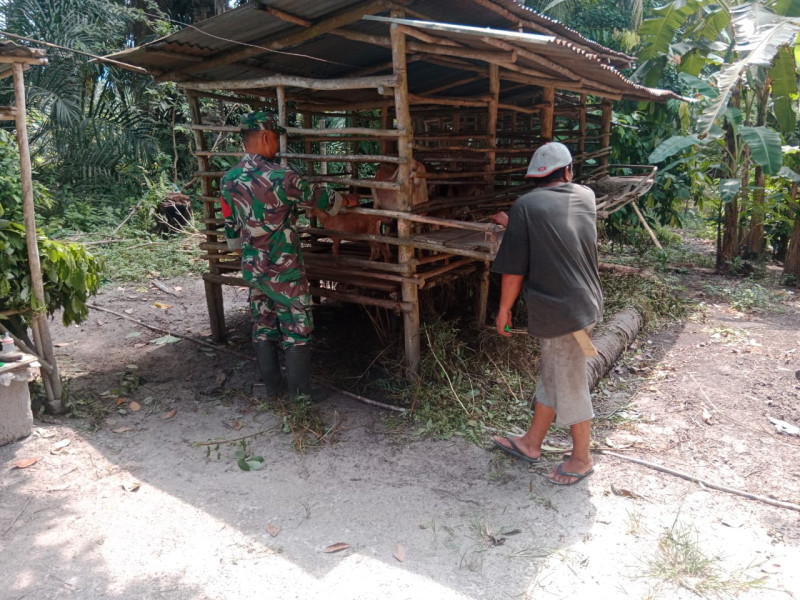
column 133, row 508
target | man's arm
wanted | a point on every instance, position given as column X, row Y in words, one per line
column 510, row 288
column 308, row 195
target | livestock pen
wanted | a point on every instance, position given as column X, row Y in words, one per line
column 403, row 85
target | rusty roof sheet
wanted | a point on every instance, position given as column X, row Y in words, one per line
column 9, row 48
column 271, row 37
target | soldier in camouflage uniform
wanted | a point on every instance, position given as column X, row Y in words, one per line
column 259, row 198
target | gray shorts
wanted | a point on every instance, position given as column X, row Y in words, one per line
column 563, row 384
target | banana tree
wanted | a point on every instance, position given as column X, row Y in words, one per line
column 747, row 49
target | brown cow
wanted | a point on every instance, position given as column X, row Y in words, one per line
column 352, row 223
column 387, row 199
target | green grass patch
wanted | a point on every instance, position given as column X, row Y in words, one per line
column 472, row 381
column 145, row 256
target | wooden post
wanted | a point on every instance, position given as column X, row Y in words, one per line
column 548, row 112
column 605, row 132
column 404, row 142
column 282, row 122
column 386, row 145
column 491, row 128
column 214, row 300
column 482, row 306
column 52, row 382
column 323, row 148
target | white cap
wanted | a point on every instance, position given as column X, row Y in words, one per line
column 548, row 158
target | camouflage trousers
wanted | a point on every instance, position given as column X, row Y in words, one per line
column 283, row 316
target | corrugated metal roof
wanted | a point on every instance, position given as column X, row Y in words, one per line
column 251, row 42
column 9, row 48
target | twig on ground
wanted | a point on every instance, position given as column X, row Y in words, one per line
column 365, row 400
column 163, row 287
column 125, row 220
column 263, row 431
column 178, row 335
column 708, row 484
column 18, row 516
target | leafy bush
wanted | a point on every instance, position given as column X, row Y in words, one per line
column 71, row 274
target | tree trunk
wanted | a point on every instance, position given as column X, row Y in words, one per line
column 730, row 231
column 611, row 342
column 791, row 265
column 755, row 247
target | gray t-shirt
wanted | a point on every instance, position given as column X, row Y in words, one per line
column 551, row 239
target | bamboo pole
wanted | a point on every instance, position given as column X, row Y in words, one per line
column 282, row 122
column 337, row 133
column 605, row 132
column 548, row 97
column 214, row 299
column 410, row 292
column 352, row 83
column 51, row 380
column 494, row 98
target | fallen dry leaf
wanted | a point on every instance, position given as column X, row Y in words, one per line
column 337, row 547
column 122, row 429
column 272, row 529
column 59, row 446
column 625, row 493
column 134, row 406
column 161, row 305
column 111, row 422
column 236, row 424
column 24, row 463
column 60, row 344
column 170, row 414
column 131, row 486
column 128, row 311
column 177, row 288
column 399, row 552
column 139, row 345
column 120, row 400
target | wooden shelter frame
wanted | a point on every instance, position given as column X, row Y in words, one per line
column 475, row 141
column 19, row 59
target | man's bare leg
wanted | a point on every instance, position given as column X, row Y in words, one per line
column 531, row 443
column 581, row 459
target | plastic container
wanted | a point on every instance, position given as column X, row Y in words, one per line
column 7, row 345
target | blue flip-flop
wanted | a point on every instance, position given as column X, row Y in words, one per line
column 578, row 476
column 513, row 450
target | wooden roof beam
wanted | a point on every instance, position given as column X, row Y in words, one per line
column 285, row 16
column 293, row 81
column 262, row 46
column 424, row 48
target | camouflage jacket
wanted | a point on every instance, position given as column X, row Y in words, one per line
column 258, row 201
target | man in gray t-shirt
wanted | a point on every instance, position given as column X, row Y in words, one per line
column 549, row 250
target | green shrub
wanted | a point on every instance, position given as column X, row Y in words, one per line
column 70, row 273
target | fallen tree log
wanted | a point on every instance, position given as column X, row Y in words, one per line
column 611, row 341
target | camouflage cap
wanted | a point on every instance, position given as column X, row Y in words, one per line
column 260, row 120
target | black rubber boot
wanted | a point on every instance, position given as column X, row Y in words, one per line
column 269, row 367
column 298, row 371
